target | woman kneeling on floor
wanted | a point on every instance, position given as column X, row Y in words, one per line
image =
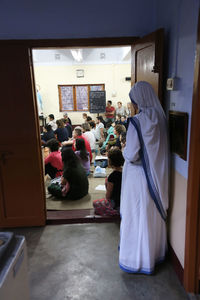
column 74, row 180
column 111, row 204
column 73, row 185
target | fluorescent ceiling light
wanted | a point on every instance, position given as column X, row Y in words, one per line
column 77, row 55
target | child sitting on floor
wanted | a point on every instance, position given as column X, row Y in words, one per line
column 61, row 132
column 110, row 134
column 53, row 162
column 111, row 204
column 122, row 139
column 118, row 131
column 118, row 119
column 83, row 155
column 47, row 135
column 124, row 122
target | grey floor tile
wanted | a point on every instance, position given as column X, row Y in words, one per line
column 80, row 262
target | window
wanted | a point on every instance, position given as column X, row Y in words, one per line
column 76, row 97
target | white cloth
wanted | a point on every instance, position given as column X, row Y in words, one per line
column 91, row 139
column 98, row 130
column 53, row 125
column 144, row 193
column 99, row 172
column 93, row 130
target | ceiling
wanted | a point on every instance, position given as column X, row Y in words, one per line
column 75, row 56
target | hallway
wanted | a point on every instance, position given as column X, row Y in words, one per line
column 80, row 262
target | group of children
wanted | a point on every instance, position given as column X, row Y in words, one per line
column 59, row 129
column 70, row 158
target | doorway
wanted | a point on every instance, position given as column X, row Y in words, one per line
column 33, row 212
column 148, row 51
column 58, row 74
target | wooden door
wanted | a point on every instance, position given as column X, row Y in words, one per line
column 192, row 234
column 22, row 197
column 147, row 60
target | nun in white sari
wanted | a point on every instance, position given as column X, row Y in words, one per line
column 144, row 194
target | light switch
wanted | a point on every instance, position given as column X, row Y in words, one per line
column 170, row 84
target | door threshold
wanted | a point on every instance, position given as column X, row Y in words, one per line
column 55, row 217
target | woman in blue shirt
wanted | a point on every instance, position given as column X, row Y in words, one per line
column 61, row 132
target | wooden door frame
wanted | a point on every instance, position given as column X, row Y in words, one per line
column 192, row 240
column 69, row 43
column 61, row 43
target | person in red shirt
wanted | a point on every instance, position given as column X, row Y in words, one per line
column 77, row 134
column 110, row 111
column 53, row 162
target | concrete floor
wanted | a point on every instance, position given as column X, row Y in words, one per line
column 80, row 262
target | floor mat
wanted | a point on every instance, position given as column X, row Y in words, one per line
column 53, row 203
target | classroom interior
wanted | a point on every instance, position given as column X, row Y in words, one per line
column 57, row 68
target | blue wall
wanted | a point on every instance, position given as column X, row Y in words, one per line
column 179, row 18
column 25, row 19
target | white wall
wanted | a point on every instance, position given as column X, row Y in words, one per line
column 177, row 214
column 113, row 76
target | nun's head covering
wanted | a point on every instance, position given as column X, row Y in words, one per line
column 142, row 94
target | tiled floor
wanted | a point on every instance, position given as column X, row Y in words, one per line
column 80, row 262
